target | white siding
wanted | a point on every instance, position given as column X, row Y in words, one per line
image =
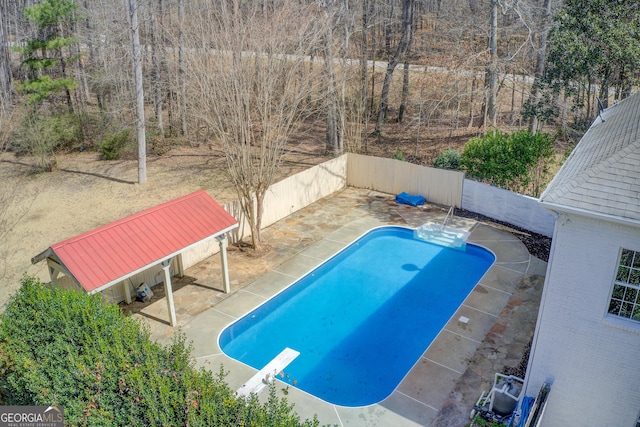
column 594, row 359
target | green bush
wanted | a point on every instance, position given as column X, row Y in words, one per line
column 513, row 161
column 399, row 155
column 59, row 347
column 41, row 136
column 448, row 159
column 112, row 147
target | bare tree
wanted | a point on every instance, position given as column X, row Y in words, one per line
column 132, row 8
column 250, row 83
column 364, row 55
column 6, row 84
column 181, row 70
column 405, row 74
column 491, row 73
column 401, row 50
column 335, row 142
column 158, row 59
column 541, row 56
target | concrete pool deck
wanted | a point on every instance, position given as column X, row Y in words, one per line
column 444, row 383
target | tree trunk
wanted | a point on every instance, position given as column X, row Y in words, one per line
column 158, row 90
column 405, row 76
column 491, row 73
column 363, row 69
column 403, row 45
column 405, row 91
column 388, row 24
column 137, row 71
column 182, row 70
column 6, row 89
column 332, row 145
column 541, row 55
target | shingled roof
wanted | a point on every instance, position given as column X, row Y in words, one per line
column 602, row 175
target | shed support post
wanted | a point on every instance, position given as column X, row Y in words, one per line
column 179, row 265
column 168, row 291
column 53, row 274
column 127, row 292
column 223, row 242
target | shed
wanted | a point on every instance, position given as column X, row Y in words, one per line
column 109, row 255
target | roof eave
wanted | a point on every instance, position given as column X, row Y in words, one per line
column 42, row 255
column 555, row 208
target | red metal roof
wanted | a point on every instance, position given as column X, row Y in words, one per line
column 109, row 253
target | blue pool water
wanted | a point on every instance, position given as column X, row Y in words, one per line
column 362, row 319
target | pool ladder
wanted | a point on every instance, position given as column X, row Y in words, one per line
column 446, row 219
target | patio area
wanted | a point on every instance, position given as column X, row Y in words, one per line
column 449, row 377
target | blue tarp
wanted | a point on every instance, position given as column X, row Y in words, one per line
column 410, row 199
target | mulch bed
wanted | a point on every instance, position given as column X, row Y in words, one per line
column 537, row 244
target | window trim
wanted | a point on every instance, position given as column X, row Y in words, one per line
column 634, row 316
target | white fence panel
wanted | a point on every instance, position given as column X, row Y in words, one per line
column 302, row 189
column 294, row 193
column 391, row 176
column 503, row 205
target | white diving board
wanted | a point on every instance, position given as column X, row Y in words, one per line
column 268, row 373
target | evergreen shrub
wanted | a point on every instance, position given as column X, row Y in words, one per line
column 513, row 161
column 60, row 347
column 448, row 159
column 112, row 146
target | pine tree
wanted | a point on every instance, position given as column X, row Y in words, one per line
column 48, row 56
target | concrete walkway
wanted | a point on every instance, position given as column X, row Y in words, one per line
column 443, row 384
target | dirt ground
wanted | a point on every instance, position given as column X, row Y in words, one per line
column 87, row 192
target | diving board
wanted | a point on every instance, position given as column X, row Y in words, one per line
column 268, row 373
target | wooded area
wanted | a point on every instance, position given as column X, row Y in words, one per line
column 248, row 76
column 77, row 55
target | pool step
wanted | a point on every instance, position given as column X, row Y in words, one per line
column 450, row 241
column 444, row 236
column 268, row 373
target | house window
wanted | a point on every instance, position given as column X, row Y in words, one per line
column 625, row 298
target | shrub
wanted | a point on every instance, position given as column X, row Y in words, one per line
column 59, row 347
column 448, row 159
column 112, row 147
column 399, row 155
column 512, row 161
column 41, row 136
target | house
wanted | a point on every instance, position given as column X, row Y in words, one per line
column 587, row 337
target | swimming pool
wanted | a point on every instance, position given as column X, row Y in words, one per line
column 362, row 319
